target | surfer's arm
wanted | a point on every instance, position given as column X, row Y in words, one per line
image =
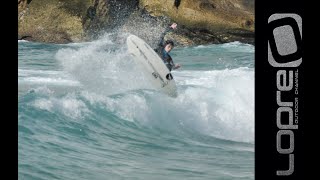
column 160, row 43
column 168, row 29
column 174, row 66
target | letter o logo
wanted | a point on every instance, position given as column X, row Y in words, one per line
column 284, row 40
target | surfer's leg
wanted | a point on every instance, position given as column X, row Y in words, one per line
column 169, row 66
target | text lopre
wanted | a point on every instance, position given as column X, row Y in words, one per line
column 285, row 52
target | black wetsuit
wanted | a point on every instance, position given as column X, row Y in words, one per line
column 165, row 56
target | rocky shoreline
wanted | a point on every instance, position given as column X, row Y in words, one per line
column 199, row 21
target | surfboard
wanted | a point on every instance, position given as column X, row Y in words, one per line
column 152, row 65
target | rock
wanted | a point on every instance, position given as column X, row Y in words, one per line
column 199, row 21
column 52, row 21
column 229, row 18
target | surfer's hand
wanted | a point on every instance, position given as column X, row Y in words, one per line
column 174, row 26
column 177, row 66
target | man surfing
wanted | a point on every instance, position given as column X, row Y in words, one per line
column 164, row 49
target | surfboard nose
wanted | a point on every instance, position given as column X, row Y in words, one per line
column 130, row 42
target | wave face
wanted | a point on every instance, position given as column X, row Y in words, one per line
column 86, row 112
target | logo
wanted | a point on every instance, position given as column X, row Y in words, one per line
column 285, row 51
column 169, row 76
column 285, row 40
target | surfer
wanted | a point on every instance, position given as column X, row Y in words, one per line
column 164, row 49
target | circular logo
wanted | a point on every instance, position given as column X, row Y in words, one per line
column 169, row 76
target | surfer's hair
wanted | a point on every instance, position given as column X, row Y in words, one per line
column 169, row 42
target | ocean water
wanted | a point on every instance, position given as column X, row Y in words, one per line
column 86, row 112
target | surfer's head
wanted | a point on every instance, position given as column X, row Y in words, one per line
column 168, row 45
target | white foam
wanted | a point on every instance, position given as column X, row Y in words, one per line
column 43, row 90
column 72, row 107
column 46, row 81
column 43, row 104
column 28, row 72
column 219, row 103
column 131, row 107
column 45, row 77
column 222, row 102
column 19, row 41
column 102, row 68
column 237, row 46
column 215, row 103
column 68, row 105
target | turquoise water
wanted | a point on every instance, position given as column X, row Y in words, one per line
column 86, row 112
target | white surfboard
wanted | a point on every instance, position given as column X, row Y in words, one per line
column 152, row 65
